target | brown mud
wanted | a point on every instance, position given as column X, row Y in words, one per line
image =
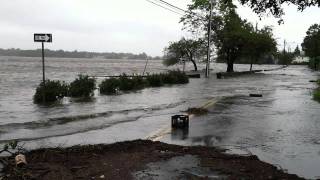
column 122, row 160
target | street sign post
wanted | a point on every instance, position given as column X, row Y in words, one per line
column 43, row 38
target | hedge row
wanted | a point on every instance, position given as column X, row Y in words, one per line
column 51, row 91
column 125, row 83
column 83, row 86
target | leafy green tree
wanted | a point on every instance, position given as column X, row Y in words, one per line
column 259, row 43
column 311, row 44
column 297, row 51
column 233, row 37
column 184, row 50
column 285, row 58
column 275, row 7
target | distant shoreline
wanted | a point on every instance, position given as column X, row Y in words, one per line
column 74, row 54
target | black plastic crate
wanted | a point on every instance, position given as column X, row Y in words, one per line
column 180, row 121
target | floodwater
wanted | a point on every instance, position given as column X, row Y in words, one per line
column 282, row 127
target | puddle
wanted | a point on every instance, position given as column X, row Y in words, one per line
column 182, row 167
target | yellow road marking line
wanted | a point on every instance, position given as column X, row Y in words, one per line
column 159, row 134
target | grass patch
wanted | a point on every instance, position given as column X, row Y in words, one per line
column 50, row 92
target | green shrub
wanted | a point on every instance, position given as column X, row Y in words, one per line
column 51, row 91
column 83, row 86
column 316, row 95
column 181, row 77
column 314, row 63
column 126, row 84
column 155, row 80
column 169, row 78
column 139, row 82
column 109, row 86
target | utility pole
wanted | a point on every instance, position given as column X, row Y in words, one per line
column 208, row 46
column 284, row 47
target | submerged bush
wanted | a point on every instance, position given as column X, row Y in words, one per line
column 169, row 78
column 126, row 83
column 51, row 91
column 83, row 86
column 181, row 77
column 316, row 95
column 109, row 86
column 139, row 82
column 155, row 80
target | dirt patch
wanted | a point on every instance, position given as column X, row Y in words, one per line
column 121, row 160
column 197, row 111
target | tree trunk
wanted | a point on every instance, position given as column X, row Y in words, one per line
column 251, row 65
column 229, row 63
column 230, row 66
column 194, row 64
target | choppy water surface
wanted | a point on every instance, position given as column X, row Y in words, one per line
column 282, row 128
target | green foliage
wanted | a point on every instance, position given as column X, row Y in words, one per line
column 311, row 43
column 126, row 83
column 109, row 86
column 233, row 37
column 155, row 80
column 311, row 46
column 258, row 44
column 139, row 82
column 51, row 91
column 169, row 78
column 275, row 7
column 314, row 63
column 83, row 86
column 285, row 58
column 180, row 77
column 297, row 51
column 8, row 147
column 316, row 95
column 184, row 50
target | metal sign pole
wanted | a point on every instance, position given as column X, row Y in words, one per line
column 43, row 65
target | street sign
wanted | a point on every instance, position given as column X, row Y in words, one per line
column 42, row 37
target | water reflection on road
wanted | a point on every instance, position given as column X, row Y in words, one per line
column 282, row 128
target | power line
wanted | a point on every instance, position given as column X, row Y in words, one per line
column 164, row 7
column 173, row 6
column 176, row 7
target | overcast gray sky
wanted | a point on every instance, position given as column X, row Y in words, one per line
column 117, row 25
